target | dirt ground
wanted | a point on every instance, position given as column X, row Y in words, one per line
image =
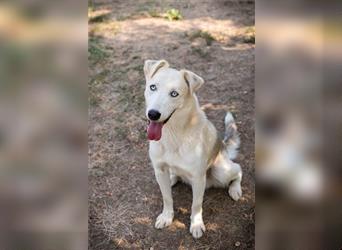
column 214, row 39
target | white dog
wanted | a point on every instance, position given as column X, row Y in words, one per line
column 184, row 143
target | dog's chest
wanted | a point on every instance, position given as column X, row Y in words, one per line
column 183, row 159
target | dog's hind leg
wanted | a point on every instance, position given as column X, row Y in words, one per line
column 235, row 191
column 225, row 173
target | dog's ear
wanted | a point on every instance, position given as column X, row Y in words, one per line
column 193, row 81
column 152, row 66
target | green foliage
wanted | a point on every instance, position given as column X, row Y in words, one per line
column 95, row 51
column 173, row 14
column 98, row 18
column 200, row 52
column 202, row 34
column 249, row 36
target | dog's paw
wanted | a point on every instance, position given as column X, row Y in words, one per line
column 164, row 220
column 235, row 191
column 197, row 229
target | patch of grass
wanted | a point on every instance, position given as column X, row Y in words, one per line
column 132, row 16
column 146, row 13
column 142, row 135
column 98, row 18
column 94, row 85
column 108, row 28
column 200, row 52
column 101, row 77
column 131, row 97
column 91, row 5
column 243, row 35
column 173, row 14
column 249, row 35
column 142, row 6
column 136, row 57
column 95, row 51
column 93, row 99
column 202, row 34
column 90, row 9
column 137, row 67
column 154, row 13
column 121, row 132
column 151, row 12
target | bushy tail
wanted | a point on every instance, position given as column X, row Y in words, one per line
column 231, row 136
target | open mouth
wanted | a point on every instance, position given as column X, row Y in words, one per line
column 154, row 129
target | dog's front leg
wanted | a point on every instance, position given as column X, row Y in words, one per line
column 198, row 187
column 163, row 179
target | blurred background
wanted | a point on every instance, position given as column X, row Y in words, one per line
column 298, row 125
column 43, row 125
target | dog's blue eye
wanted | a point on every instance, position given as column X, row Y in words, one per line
column 174, row 93
column 153, row 87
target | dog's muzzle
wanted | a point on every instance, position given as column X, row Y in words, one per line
column 167, row 119
column 154, row 129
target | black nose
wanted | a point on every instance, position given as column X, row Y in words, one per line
column 153, row 114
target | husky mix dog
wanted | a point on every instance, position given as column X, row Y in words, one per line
column 184, row 144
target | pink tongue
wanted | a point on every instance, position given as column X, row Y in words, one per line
column 154, row 130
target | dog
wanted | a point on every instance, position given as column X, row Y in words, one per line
column 184, row 144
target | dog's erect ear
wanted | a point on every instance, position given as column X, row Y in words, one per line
column 192, row 80
column 152, row 66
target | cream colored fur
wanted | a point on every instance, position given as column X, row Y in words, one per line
column 189, row 148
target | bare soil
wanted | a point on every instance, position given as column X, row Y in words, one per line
column 213, row 40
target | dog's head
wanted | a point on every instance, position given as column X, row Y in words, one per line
column 166, row 92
